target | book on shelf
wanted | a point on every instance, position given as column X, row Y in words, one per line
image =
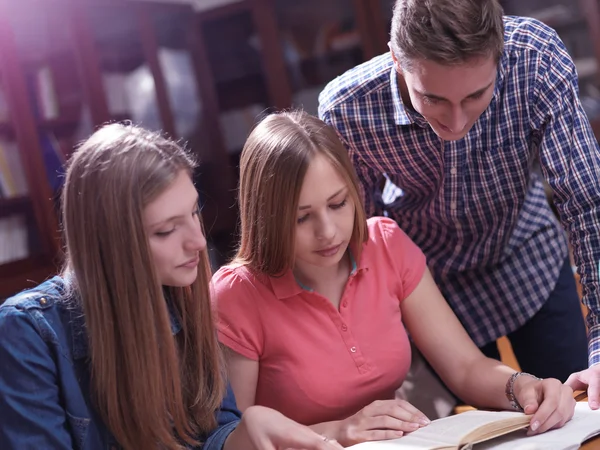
column 46, row 96
column 3, row 106
column 13, row 238
column 54, row 160
column 12, row 175
column 501, row 430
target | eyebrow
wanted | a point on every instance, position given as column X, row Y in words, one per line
column 330, row 198
column 170, row 219
column 473, row 94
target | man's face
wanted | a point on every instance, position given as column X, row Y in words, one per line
column 450, row 98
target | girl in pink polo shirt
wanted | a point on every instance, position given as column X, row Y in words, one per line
column 316, row 306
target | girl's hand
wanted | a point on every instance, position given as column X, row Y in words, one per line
column 268, row 429
column 551, row 402
column 381, row 420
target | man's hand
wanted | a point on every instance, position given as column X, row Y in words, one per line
column 587, row 379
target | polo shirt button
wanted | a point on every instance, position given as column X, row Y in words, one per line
column 344, row 327
column 344, row 304
column 353, row 349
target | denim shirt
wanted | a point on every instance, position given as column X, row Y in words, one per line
column 45, row 397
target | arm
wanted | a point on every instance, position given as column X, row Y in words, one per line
column 260, row 428
column 31, row 415
column 264, row 428
column 570, row 162
column 476, row 379
column 240, row 330
column 243, row 376
column 380, row 420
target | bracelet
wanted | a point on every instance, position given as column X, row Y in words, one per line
column 510, row 389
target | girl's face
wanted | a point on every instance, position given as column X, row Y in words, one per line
column 325, row 217
column 173, row 228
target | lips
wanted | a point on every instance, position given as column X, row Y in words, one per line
column 329, row 251
column 191, row 263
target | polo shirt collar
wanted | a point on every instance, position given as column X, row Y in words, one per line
column 287, row 286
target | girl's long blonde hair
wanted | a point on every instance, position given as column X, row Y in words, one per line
column 153, row 390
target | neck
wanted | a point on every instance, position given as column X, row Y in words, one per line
column 315, row 276
column 403, row 89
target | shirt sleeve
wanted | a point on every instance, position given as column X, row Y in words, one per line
column 31, row 415
column 238, row 323
column 228, row 418
column 407, row 259
column 570, row 162
column 371, row 181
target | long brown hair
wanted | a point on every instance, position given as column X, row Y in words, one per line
column 152, row 390
column 273, row 164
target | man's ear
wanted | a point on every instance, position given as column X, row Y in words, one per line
column 394, row 59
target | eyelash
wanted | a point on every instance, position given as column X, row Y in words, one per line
column 335, row 207
column 164, row 234
column 476, row 97
column 435, row 101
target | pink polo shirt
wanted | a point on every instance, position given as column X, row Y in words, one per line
column 318, row 363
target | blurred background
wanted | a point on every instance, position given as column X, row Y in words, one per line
column 203, row 71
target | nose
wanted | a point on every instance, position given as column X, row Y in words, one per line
column 195, row 241
column 326, row 228
column 458, row 120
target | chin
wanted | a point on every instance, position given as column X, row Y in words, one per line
column 180, row 281
column 448, row 136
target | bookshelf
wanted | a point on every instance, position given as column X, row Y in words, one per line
column 79, row 43
column 274, row 54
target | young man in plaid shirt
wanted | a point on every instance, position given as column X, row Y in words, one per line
column 454, row 118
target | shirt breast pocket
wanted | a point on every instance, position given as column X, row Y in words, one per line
column 79, row 430
column 501, row 170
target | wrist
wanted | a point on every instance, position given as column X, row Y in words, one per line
column 338, row 432
column 515, row 385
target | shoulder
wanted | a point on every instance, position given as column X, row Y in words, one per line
column 234, row 276
column 528, row 34
column 357, row 85
column 237, row 282
column 41, row 312
column 47, row 298
column 388, row 242
column 383, row 229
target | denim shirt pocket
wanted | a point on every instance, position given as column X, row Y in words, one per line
column 79, row 427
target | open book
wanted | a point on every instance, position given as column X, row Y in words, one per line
column 463, row 431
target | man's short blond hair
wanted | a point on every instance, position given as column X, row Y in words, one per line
column 447, row 32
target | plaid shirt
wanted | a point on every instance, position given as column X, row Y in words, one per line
column 475, row 206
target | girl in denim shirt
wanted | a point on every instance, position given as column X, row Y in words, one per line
column 119, row 351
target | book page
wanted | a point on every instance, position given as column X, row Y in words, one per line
column 441, row 433
column 585, row 424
